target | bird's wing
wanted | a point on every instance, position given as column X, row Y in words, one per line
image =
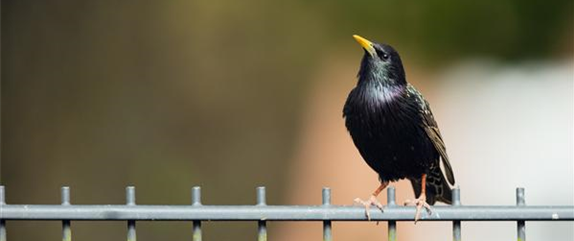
column 431, row 128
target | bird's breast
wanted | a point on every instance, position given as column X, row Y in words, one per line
column 386, row 128
column 380, row 111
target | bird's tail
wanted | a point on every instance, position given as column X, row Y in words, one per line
column 437, row 187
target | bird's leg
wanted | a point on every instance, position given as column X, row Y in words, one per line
column 421, row 201
column 373, row 200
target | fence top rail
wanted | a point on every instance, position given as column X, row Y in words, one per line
column 281, row 213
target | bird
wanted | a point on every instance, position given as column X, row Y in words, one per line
column 394, row 130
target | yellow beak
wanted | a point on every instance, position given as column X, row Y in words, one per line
column 367, row 45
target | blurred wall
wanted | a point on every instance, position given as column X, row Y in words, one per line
column 162, row 95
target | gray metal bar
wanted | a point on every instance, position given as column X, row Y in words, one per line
column 456, row 226
column 196, row 202
column 284, row 213
column 520, row 224
column 392, row 225
column 131, row 202
column 261, row 224
column 2, row 222
column 327, row 225
column 66, row 225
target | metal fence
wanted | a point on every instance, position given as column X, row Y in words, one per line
column 263, row 213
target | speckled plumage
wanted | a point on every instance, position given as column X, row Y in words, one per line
column 393, row 128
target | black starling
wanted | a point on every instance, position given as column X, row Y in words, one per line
column 393, row 128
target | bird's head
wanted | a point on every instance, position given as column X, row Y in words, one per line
column 381, row 63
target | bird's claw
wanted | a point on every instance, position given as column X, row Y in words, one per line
column 372, row 201
column 419, row 203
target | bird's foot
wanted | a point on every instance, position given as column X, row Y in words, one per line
column 419, row 203
column 371, row 202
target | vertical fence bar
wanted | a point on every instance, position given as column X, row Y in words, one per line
column 131, row 201
column 196, row 201
column 392, row 225
column 261, row 224
column 520, row 224
column 66, row 225
column 2, row 222
column 327, row 225
column 456, row 229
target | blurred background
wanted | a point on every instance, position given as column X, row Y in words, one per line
column 230, row 95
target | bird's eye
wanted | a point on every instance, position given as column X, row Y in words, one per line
column 382, row 55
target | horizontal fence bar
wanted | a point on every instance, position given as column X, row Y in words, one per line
column 281, row 213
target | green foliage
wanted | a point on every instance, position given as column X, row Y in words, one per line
column 506, row 29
